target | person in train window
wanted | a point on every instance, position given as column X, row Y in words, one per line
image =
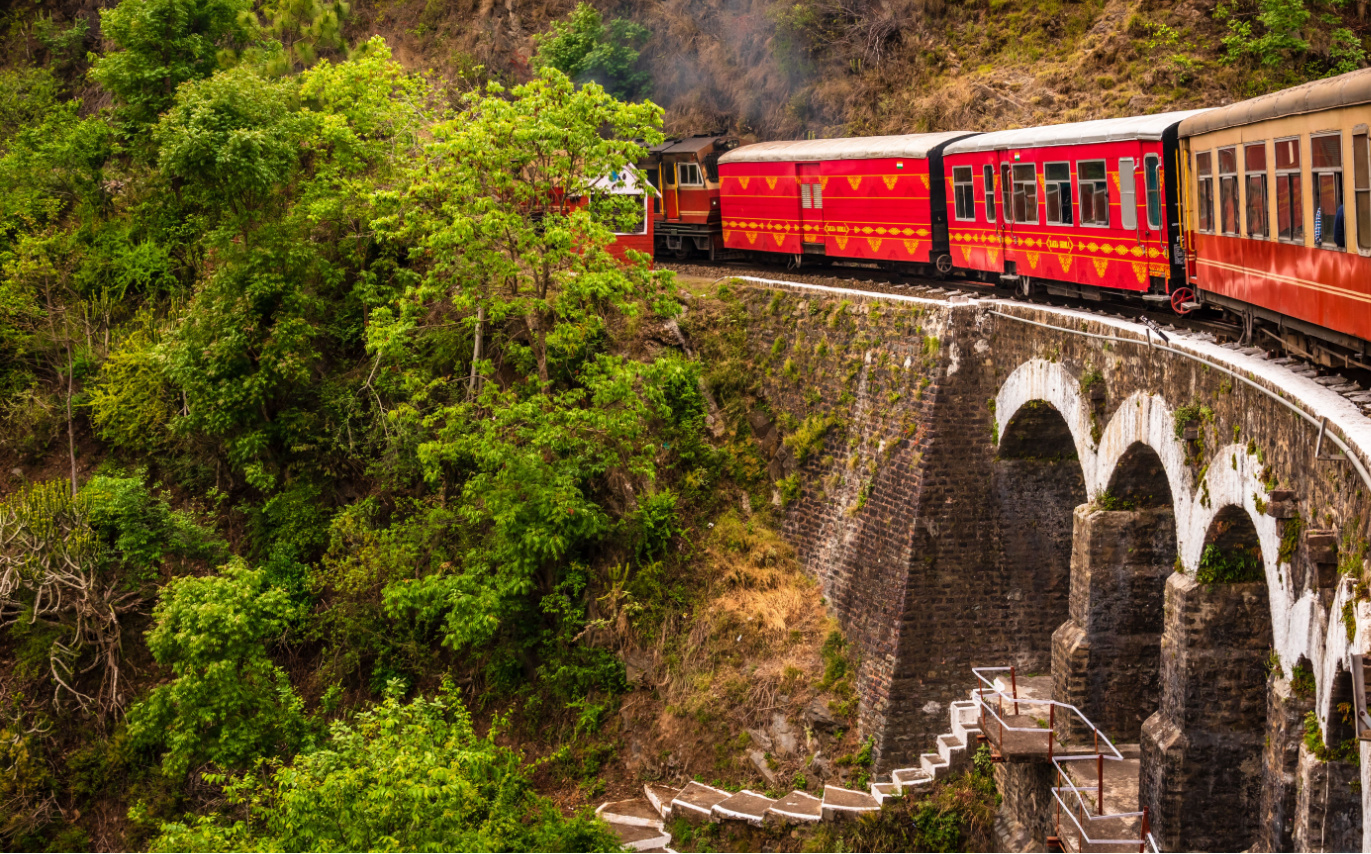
column 1339, row 238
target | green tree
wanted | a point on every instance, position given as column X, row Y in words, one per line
column 160, row 44
column 228, row 703
column 586, row 49
column 399, row 777
column 1288, row 34
column 551, row 456
column 282, row 169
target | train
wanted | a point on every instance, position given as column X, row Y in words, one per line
column 1241, row 209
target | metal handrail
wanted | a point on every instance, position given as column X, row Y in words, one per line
column 1145, row 843
column 1104, row 749
column 981, row 694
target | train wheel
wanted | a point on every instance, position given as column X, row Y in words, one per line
column 944, row 266
column 1179, row 297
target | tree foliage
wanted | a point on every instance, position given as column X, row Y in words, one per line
column 586, row 49
column 160, row 44
column 399, row 777
column 229, row 703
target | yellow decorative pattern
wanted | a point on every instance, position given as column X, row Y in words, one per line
column 1101, row 264
column 991, row 255
column 745, row 182
column 1033, row 259
column 911, row 246
column 752, row 237
column 890, row 181
column 771, row 182
column 874, row 243
column 854, row 181
column 779, row 238
column 1066, row 262
column 842, row 242
column 1140, row 270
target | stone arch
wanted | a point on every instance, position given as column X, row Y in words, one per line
column 1037, row 482
column 1038, row 431
column 1140, row 479
column 1339, row 725
column 1232, row 527
column 1040, row 381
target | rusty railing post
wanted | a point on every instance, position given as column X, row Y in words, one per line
column 1051, row 728
column 1014, row 686
column 1142, row 843
column 1099, row 775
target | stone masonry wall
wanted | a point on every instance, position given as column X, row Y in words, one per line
column 1107, row 656
column 1202, row 750
column 937, row 552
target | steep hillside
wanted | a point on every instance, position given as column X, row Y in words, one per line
column 782, row 68
column 778, row 68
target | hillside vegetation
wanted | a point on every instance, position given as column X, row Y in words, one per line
column 352, row 494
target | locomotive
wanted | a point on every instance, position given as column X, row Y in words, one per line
column 1243, row 209
column 684, row 172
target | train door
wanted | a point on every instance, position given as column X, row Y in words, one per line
column 811, row 202
column 1128, row 195
column 670, row 192
column 1004, row 226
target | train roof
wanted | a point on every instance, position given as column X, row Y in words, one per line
column 1345, row 90
column 1076, row 133
column 913, row 145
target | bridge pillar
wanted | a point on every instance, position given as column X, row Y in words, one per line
column 1328, row 808
column 1106, row 658
column 1285, row 713
column 1202, row 751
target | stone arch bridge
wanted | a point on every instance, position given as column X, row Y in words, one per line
column 1177, row 533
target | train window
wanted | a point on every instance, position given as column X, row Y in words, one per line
column 1361, row 184
column 1326, row 153
column 1094, row 184
column 1228, row 190
column 806, row 201
column 1025, row 192
column 1289, row 191
column 988, row 176
column 964, row 193
column 1204, row 190
column 1254, row 168
column 1006, row 193
column 1128, row 193
column 816, row 192
column 689, row 175
column 1153, row 178
column 1058, row 193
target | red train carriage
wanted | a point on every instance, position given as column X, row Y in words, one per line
column 685, row 173
column 1278, row 204
column 869, row 198
column 637, row 236
column 1090, row 204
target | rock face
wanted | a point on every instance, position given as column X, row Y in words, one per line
column 818, row 716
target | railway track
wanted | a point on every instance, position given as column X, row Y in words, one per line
column 1351, row 383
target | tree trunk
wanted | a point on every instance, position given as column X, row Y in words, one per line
column 71, row 429
column 476, row 349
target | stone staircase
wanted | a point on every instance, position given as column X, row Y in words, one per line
column 641, row 822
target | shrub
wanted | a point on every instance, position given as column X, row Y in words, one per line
column 412, row 777
column 229, row 703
